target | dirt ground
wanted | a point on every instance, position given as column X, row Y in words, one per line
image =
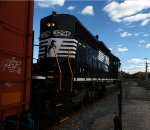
column 135, row 108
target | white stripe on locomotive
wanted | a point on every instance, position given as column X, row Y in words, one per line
column 61, row 44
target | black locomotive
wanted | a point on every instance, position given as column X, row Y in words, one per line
column 73, row 67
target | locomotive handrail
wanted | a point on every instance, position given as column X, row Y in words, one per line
column 58, row 67
column 70, row 69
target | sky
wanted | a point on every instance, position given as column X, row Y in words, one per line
column 123, row 25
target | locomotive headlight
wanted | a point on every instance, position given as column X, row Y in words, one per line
column 50, row 25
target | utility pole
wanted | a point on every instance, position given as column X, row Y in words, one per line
column 146, row 66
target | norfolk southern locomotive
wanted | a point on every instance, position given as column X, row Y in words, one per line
column 73, row 67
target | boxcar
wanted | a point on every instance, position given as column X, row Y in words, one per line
column 16, row 41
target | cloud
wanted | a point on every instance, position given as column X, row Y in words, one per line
column 71, row 7
column 119, row 30
column 109, row 1
column 131, row 26
column 122, row 49
column 138, row 65
column 128, row 10
column 120, row 45
column 135, row 18
column 145, row 35
column 125, row 34
column 147, row 46
column 50, row 3
column 140, row 45
column 133, row 69
column 136, row 60
column 141, row 41
column 136, row 34
column 145, row 22
column 88, row 10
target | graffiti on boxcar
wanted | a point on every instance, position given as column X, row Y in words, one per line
column 9, row 84
column 11, row 65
